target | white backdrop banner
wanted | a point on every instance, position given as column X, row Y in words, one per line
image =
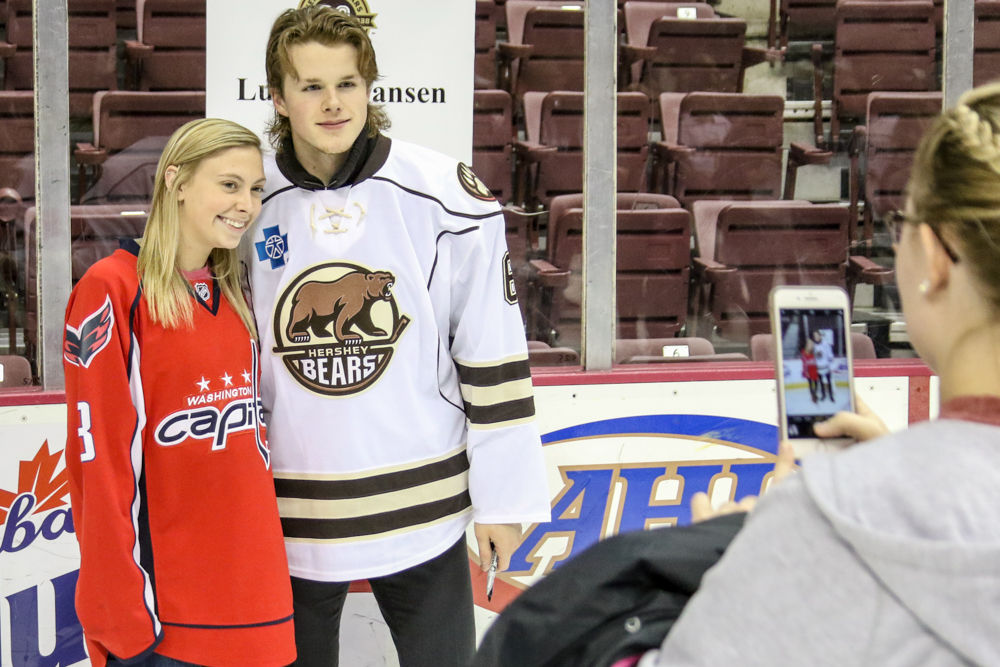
column 425, row 53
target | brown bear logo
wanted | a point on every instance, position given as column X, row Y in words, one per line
column 346, row 301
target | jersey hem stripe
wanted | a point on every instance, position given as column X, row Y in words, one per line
column 198, row 626
column 146, row 652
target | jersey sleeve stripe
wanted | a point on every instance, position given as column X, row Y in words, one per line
column 373, row 483
column 501, row 393
column 486, row 376
column 501, row 412
column 376, row 525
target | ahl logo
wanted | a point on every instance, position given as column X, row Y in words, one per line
column 39, row 489
column 357, row 8
column 336, row 326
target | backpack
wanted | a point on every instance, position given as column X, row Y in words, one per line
column 617, row 599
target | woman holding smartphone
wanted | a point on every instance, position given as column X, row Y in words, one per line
column 887, row 553
column 182, row 558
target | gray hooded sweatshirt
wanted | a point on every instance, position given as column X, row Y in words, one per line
column 885, row 554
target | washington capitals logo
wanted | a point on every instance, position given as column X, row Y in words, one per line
column 273, row 247
column 83, row 344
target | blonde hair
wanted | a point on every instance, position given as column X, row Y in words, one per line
column 954, row 184
column 167, row 291
column 326, row 26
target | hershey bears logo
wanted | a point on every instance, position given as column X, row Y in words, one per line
column 357, row 8
column 336, row 326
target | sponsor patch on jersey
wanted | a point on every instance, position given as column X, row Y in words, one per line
column 509, row 288
column 336, row 327
column 471, row 184
column 357, row 8
column 273, row 248
column 84, row 343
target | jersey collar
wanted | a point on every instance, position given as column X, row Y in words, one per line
column 367, row 155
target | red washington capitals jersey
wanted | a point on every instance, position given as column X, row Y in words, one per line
column 173, row 501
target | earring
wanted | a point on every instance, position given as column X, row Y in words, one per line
column 924, row 286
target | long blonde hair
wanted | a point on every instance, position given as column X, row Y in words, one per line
column 167, row 291
column 955, row 182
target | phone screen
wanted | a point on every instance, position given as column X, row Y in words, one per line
column 815, row 367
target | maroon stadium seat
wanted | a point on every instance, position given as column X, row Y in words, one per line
column 15, row 372
column 130, row 131
column 170, row 51
column 812, row 19
column 492, row 141
column 486, row 41
column 17, row 137
column 894, row 125
column 725, row 146
column 125, row 14
column 92, row 43
column 879, row 46
column 550, row 162
column 653, row 261
column 544, row 48
column 762, row 347
column 746, row 248
column 986, row 65
column 678, row 55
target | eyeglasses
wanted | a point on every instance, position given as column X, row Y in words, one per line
column 897, row 220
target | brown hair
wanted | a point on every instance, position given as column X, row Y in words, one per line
column 328, row 27
column 955, row 183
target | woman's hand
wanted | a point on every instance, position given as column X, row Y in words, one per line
column 701, row 505
column 861, row 425
column 506, row 538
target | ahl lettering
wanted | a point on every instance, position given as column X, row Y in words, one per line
column 64, row 641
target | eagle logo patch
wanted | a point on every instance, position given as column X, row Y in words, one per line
column 336, row 326
column 471, row 184
column 84, row 343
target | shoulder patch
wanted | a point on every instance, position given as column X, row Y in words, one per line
column 509, row 290
column 83, row 344
column 471, row 184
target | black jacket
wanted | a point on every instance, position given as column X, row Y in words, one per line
column 617, row 599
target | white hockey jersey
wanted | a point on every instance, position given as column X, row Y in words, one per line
column 395, row 374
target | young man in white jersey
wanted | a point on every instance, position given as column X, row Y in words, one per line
column 394, row 370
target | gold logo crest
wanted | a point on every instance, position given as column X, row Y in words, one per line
column 357, row 8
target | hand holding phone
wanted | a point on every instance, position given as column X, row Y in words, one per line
column 812, row 341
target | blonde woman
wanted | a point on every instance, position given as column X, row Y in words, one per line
column 182, row 558
column 888, row 553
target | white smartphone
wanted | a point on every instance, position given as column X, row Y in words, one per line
column 813, row 362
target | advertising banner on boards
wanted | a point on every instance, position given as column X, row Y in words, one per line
column 425, row 54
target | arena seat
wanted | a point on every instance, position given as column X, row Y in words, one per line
column 15, row 372
column 894, row 124
column 486, row 51
column 746, row 248
column 762, row 346
column 667, row 53
column 550, row 162
column 544, row 47
column 130, row 131
column 879, row 46
column 125, row 14
column 986, row 58
column 653, row 263
column 92, row 44
column 813, row 19
column 17, row 137
column 667, row 350
column 492, row 141
column 170, row 51
column 725, row 146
